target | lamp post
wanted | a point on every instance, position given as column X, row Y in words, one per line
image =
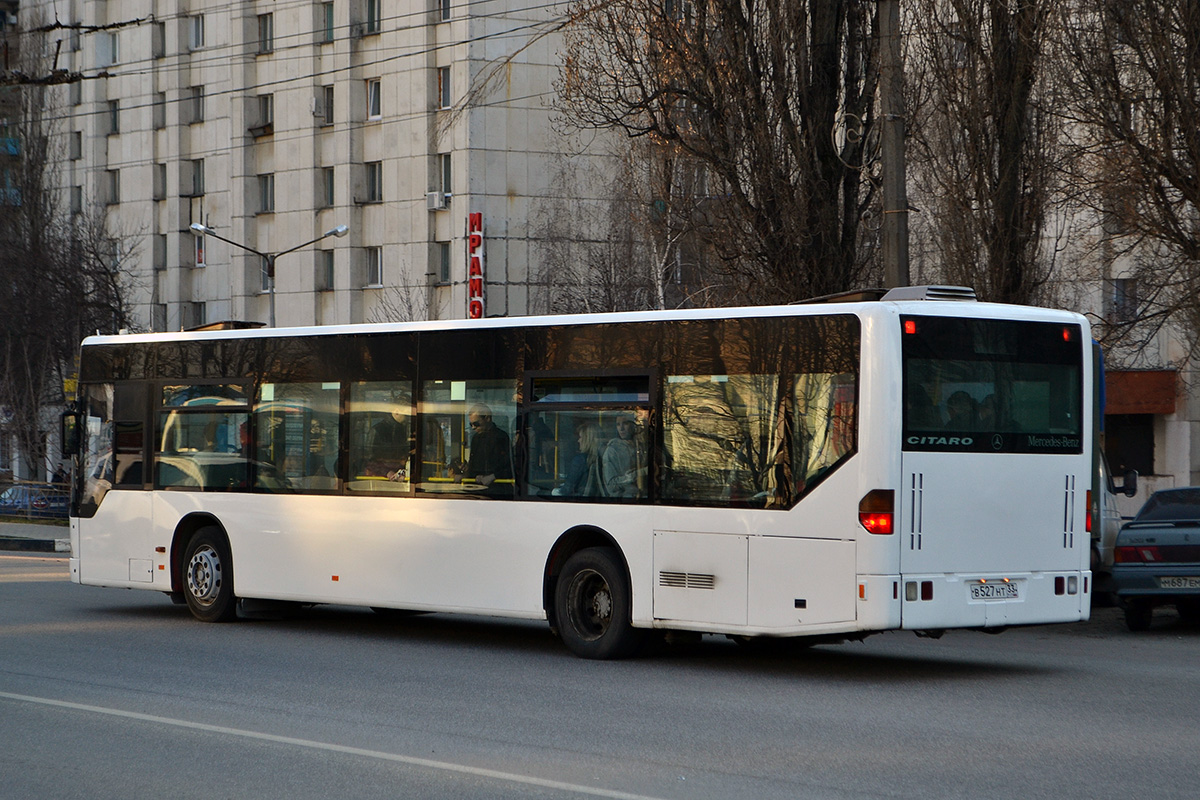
column 204, row 230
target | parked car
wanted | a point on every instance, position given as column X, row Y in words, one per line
column 1156, row 561
column 34, row 501
column 1104, row 523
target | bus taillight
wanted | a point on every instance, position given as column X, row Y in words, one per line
column 1088, row 526
column 876, row 511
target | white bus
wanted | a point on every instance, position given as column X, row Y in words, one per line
column 817, row 470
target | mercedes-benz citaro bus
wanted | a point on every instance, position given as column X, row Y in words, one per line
column 824, row 470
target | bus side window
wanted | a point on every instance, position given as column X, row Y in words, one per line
column 381, row 436
column 201, row 437
column 468, row 429
column 720, row 437
column 296, row 436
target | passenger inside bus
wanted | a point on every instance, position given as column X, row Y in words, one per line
column 491, row 457
column 388, row 447
column 624, row 462
column 584, row 477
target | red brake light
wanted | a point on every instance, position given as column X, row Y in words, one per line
column 876, row 511
column 1140, row 554
column 910, row 326
column 1088, row 524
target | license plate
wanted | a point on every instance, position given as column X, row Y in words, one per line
column 994, row 591
column 1178, row 583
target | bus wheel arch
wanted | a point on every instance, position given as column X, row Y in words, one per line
column 202, row 568
column 571, row 542
column 590, row 596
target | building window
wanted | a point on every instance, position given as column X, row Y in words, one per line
column 159, row 111
column 444, row 100
column 373, row 22
column 112, row 188
column 159, row 177
column 114, row 116
column 196, row 31
column 1123, row 300
column 327, row 105
column 264, row 275
column 326, row 198
column 326, row 11
column 75, row 93
column 197, row 314
column 442, row 271
column 196, row 104
column 201, row 259
column 158, row 39
column 325, row 270
column 196, row 168
column 374, row 102
column 266, row 193
column 444, row 9
column 158, row 317
column 108, row 49
column 266, row 116
column 76, row 199
column 374, row 266
column 266, row 33
column 446, row 177
column 374, row 177
column 159, row 260
column 76, row 145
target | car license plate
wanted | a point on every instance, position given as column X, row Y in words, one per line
column 1178, row 583
column 999, row 590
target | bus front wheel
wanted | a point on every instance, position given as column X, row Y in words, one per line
column 592, row 602
column 208, row 577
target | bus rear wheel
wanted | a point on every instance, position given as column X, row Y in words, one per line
column 208, row 577
column 593, row 605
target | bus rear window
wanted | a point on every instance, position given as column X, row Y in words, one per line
column 996, row 386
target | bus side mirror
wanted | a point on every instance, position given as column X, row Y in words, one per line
column 69, row 427
column 1129, row 485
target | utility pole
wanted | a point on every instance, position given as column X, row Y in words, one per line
column 891, row 103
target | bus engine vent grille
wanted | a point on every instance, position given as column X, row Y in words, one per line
column 687, row 580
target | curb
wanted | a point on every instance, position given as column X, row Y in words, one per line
column 35, row 545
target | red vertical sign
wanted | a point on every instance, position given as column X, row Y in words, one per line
column 475, row 266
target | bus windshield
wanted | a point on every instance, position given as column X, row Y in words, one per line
column 1002, row 386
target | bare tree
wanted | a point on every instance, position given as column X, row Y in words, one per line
column 987, row 142
column 60, row 275
column 1136, row 98
column 751, row 93
column 638, row 244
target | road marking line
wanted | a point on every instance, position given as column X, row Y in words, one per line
column 445, row 766
column 33, row 577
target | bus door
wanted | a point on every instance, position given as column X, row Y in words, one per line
column 995, row 472
column 110, row 486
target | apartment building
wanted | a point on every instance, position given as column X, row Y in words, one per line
column 272, row 123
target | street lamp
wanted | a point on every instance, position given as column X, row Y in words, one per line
column 204, row 230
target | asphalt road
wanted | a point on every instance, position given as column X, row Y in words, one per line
column 107, row 693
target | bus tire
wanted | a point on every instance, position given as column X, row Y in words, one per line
column 208, row 576
column 593, row 605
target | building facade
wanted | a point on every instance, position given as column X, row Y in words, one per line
column 274, row 122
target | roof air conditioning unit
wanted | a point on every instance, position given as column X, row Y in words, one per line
column 435, row 201
column 930, row 293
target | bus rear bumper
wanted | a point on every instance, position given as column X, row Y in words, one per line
column 981, row 600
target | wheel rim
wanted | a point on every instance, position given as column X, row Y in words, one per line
column 590, row 604
column 204, row 575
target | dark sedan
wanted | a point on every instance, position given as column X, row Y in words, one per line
column 1156, row 561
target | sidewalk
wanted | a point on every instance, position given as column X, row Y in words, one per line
column 31, row 537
